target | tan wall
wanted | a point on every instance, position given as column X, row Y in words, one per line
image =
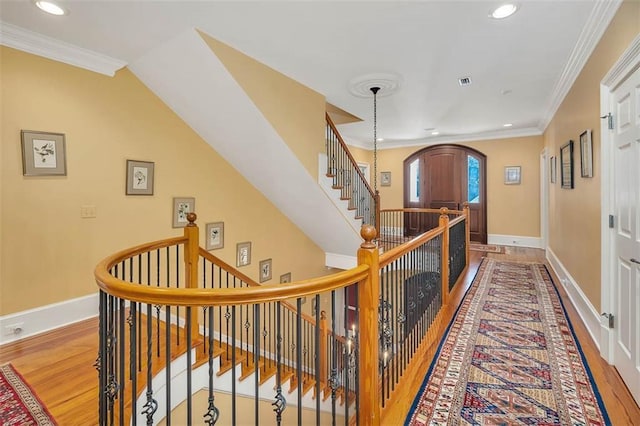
column 296, row 112
column 503, row 199
column 574, row 225
column 48, row 252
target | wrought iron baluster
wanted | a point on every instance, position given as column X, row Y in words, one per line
column 150, row 407
column 280, row 403
column 233, row 361
column 333, row 378
column 100, row 363
column 256, row 361
column 317, row 359
column 167, row 359
column 188, row 333
column 212, row 414
column 122, row 373
column 299, row 360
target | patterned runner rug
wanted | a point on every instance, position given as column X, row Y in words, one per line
column 509, row 357
column 19, row 405
column 490, row 248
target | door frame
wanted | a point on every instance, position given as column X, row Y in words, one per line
column 619, row 72
column 544, row 198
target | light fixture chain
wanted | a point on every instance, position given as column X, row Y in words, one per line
column 375, row 138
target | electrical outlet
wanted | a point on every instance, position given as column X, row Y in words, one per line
column 87, row 211
column 13, row 329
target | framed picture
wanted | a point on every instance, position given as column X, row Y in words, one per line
column 586, row 154
column 512, row 175
column 243, row 254
column 214, row 235
column 43, row 154
column 181, row 207
column 265, row 270
column 139, row 177
column 552, row 168
column 566, row 165
column 285, row 278
column 385, row 178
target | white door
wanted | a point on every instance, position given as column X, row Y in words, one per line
column 626, row 109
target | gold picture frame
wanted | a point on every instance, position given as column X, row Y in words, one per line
column 512, row 175
column 566, row 165
column 586, row 154
column 43, row 153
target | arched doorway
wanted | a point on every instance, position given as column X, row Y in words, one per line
column 447, row 176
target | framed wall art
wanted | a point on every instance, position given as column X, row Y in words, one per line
column 285, row 278
column 214, row 234
column 385, row 178
column 139, row 177
column 512, row 175
column 265, row 270
column 181, row 207
column 552, row 168
column 43, row 154
column 566, row 165
column 586, row 154
column 243, row 254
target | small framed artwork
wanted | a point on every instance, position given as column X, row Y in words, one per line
column 512, row 175
column 243, row 254
column 566, row 165
column 385, row 178
column 43, row 154
column 265, row 270
column 285, row 278
column 586, row 154
column 552, row 168
column 182, row 206
column 139, row 177
column 215, row 235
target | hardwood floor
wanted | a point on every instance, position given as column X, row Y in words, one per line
column 59, row 364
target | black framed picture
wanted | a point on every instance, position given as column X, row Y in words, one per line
column 566, row 165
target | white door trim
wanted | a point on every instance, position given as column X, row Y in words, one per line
column 624, row 66
column 544, row 198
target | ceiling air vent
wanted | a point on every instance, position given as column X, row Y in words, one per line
column 464, row 81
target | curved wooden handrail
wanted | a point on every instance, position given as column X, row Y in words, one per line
column 351, row 159
column 398, row 251
column 421, row 210
column 456, row 221
column 222, row 296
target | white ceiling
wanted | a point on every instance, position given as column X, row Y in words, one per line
column 520, row 67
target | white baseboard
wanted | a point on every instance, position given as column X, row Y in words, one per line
column 48, row 317
column 589, row 315
column 514, row 240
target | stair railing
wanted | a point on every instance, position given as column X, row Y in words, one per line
column 348, row 178
column 175, row 319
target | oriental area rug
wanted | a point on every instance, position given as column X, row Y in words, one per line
column 19, row 405
column 489, row 248
column 509, row 357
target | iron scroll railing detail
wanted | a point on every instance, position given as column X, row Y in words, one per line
column 162, row 339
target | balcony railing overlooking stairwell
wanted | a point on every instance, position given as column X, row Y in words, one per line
column 348, row 178
column 187, row 339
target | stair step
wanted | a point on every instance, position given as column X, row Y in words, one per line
column 345, row 198
column 336, row 186
column 248, row 367
column 225, row 359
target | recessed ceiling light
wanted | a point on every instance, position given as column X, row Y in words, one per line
column 50, row 7
column 504, row 11
column 435, row 133
column 380, row 139
column 507, row 125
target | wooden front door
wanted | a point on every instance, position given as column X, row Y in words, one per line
column 446, row 176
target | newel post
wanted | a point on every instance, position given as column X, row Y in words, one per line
column 444, row 269
column 191, row 255
column 368, row 300
column 467, row 228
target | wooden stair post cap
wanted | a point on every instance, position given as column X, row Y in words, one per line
column 368, row 233
column 191, row 218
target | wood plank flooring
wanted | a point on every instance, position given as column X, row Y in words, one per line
column 59, row 364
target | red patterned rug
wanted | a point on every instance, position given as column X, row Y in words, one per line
column 509, row 357
column 489, row 248
column 19, row 405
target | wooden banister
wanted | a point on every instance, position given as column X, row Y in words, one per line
column 368, row 300
column 191, row 251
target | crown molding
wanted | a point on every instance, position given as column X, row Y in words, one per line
column 597, row 23
column 471, row 137
column 41, row 45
